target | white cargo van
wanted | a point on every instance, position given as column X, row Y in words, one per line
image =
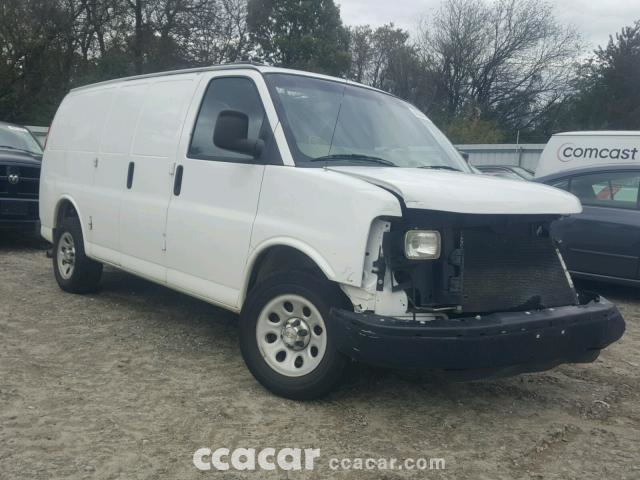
column 336, row 219
column 571, row 150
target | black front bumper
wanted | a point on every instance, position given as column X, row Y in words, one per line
column 513, row 341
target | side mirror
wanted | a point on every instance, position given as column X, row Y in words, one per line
column 231, row 132
column 464, row 155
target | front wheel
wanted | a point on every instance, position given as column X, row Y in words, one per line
column 286, row 338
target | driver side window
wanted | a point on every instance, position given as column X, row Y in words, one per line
column 228, row 93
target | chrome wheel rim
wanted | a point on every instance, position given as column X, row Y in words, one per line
column 291, row 335
column 66, row 255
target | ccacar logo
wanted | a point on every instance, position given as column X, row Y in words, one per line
column 569, row 151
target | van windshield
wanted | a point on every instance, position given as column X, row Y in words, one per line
column 17, row 138
column 328, row 121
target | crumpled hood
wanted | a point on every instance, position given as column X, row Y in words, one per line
column 467, row 193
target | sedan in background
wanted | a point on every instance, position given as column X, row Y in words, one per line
column 20, row 161
column 603, row 242
column 506, row 171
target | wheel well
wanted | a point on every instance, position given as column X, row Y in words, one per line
column 281, row 259
column 65, row 210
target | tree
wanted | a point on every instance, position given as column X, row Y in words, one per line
column 373, row 51
column 474, row 130
column 361, row 49
column 303, row 34
column 38, row 43
column 607, row 94
column 217, row 32
column 508, row 61
column 50, row 46
column 385, row 58
column 479, row 68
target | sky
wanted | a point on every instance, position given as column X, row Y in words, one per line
column 595, row 20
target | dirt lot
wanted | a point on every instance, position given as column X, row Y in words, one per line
column 128, row 383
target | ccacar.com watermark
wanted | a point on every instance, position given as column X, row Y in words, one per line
column 299, row 459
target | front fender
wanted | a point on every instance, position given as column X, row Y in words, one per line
column 67, row 198
column 326, row 215
column 298, row 245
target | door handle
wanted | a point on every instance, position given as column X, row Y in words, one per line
column 132, row 167
column 177, row 182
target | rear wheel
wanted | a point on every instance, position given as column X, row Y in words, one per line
column 286, row 337
column 74, row 271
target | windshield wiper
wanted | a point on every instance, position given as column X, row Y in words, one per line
column 355, row 157
column 441, row 167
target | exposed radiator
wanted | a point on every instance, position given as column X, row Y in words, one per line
column 512, row 270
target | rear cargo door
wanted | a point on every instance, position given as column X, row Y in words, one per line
column 110, row 169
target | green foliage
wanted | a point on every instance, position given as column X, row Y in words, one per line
column 50, row 46
column 301, row 34
column 607, row 89
column 34, row 63
column 481, row 69
column 474, row 130
column 508, row 61
column 387, row 59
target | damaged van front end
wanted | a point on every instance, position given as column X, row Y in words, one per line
column 486, row 293
column 442, row 268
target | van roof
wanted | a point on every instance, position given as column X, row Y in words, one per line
column 229, row 66
column 600, row 133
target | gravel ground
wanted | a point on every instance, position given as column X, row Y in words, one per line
column 129, row 382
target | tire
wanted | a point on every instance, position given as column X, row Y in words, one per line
column 301, row 375
column 83, row 274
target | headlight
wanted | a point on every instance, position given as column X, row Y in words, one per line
column 422, row 245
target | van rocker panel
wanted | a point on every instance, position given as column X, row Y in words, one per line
column 526, row 341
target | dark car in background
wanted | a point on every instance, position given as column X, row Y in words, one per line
column 603, row 242
column 513, row 172
column 20, row 161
